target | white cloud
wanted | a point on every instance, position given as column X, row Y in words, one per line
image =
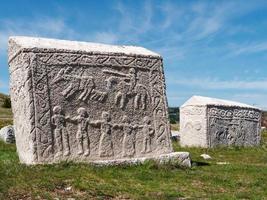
column 248, row 48
column 133, row 24
column 213, row 84
column 256, row 99
column 41, row 27
column 106, row 37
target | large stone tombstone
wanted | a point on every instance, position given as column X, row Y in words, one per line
column 209, row 122
column 87, row 102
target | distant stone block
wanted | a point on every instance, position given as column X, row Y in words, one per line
column 87, row 102
column 209, row 122
column 7, row 134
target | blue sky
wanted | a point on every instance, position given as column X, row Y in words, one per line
column 210, row 48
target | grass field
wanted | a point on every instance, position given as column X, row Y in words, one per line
column 5, row 117
column 233, row 173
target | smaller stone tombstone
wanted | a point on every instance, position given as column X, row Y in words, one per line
column 209, row 122
column 88, row 102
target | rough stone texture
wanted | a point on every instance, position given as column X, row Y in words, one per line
column 7, row 134
column 86, row 102
column 175, row 158
column 209, row 122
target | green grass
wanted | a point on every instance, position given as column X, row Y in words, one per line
column 5, row 122
column 5, row 113
column 175, row 127
column 244, row 177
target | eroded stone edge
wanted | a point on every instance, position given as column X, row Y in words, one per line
column 182, row 159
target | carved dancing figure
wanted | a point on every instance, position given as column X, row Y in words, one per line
column 61, row 137
column 105, row 144
column 148, row 133
column 82, row 120
column 128, row 145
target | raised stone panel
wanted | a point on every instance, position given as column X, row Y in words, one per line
column 86, row 102
column 224, row 123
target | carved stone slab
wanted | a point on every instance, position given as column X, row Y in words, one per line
column 86, row 102
column 209, row 122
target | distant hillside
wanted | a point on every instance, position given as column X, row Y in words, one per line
column 2, row 97
column 174, row 115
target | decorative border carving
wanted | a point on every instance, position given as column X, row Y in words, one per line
column 244, row 113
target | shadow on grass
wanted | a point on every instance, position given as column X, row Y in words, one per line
column 199, row 163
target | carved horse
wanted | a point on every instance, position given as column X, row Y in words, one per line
column 125, row 90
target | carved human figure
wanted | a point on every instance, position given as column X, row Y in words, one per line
column 128, row 144
column 121, row 95
column 80, row 83
column 61, row 137
column 242, row 131
column 64, row 75
column 82, row 120
column 61, row 75
column 236, row 133
column 131, row 77
column 105, row 144
column 141, row 96
column 127, row 87
column 232, row 134
column 87, row 85
column 148, row 133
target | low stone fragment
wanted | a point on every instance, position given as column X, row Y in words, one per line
column 205, row 156
column 7, row 134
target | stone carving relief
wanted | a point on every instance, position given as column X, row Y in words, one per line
column 61, row 136
column 228, row 126
column 148, row 133
column 159, row 106
column 82, row 121
column 238, row 113
column 196, row 125
column 192, row 111
column 105, row 143
column 84, row 85
column 128, row 143
column 127, row 87
column 79, row 102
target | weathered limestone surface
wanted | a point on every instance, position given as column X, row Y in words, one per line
column 87, row 102
column 209, row 122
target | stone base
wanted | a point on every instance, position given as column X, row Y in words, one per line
column 177, row 158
